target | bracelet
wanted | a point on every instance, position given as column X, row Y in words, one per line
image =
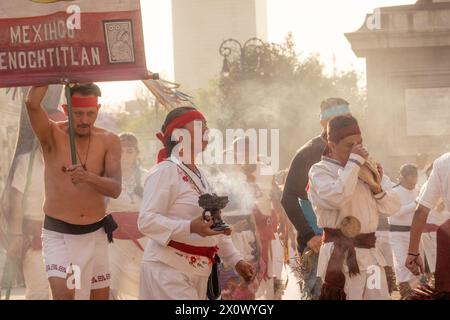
column 414, row 255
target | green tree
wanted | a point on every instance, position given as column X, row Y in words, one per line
column 275, row 88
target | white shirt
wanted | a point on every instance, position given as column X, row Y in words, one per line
column 438, row 184
column 169, row 204
column 405, row 215
column 336, row 192
column 437, row 215
column 36, row 190
column 128, row 200
column 125, row 256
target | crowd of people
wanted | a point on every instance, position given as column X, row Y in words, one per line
column 103, row 227
column 354, row 221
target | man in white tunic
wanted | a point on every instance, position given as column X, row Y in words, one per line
column 28, row 182
column 180, row 254
column 437, row 216
column 348, row 209
column 437, row 189
column 252, row 196
column 125, row 254
column 399, row 227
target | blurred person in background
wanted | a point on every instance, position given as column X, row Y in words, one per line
column 400, row 226
column 26, row 219
column 437, row 216
column 126, row 251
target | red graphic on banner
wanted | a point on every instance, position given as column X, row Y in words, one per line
column 108, row 46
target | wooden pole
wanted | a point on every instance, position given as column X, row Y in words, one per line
column 73, row 150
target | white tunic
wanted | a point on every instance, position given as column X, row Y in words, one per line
column 405, row 215
column 438, row 185
column 36, row 196
column 169, row 204
column 438, row 214
column 335, row 193
column 35, row 277
column 437, row 189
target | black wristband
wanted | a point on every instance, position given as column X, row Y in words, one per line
column 414, row 254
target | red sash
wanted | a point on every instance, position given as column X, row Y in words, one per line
column 265, row 227
column 208, row 252
column 443, row 258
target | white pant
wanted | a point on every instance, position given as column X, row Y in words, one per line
column 400, row 244
column 160, row 281
column 277, row 257
column 85, row 254
column 429, row 246
column 368, row 285
column 36, row 282
column 384, row 246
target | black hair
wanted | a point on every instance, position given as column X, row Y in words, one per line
column 86, row 89
column 172, row 115
column 408, row 169
column 339, row 122
column 129, row 136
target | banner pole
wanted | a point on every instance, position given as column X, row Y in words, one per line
column 73, row 150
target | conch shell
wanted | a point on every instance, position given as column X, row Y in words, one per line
column 369, row 174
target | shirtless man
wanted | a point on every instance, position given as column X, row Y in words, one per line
column 74, row 240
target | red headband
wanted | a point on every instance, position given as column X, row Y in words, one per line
column 342, row 133
column 177, row 123
column 83, row 102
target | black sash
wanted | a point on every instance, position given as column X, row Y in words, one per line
column 56, row 225
column 213, row 290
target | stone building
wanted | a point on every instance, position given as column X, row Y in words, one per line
column 407, row 49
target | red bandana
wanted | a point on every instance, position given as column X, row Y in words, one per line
column 177, row 123
column 340, row 134
column 83, row 102
column 343, row 133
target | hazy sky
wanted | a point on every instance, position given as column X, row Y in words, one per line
column 317, row 26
